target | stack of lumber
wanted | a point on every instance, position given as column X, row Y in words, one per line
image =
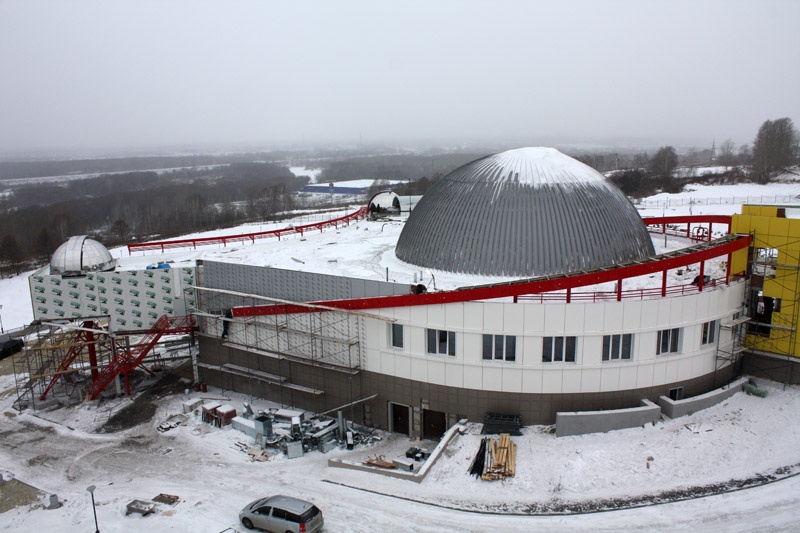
column 501, row 458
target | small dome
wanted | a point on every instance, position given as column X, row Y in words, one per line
column 80, row 255
column 524, row 212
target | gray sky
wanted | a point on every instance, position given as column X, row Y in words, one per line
column 97, row 74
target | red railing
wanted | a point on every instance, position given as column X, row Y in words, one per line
column 628, row 294
column 701, row 231
column 680, row 258
column 248, row 237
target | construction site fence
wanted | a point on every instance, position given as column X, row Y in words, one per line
column 722, row 200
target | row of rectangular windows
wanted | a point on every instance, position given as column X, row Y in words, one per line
column 617, row 347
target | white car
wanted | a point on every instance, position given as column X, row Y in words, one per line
column 282, row 514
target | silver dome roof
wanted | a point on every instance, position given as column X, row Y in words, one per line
column 524, row 212
column 80, row 255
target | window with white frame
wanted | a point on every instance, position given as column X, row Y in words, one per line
column 441, row 342
column 668, row 341
column 558, row 349
column 396, row 335
column 710, row 331
column 617, row 347
column 500, row 347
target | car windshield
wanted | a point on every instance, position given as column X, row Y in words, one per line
column 309, row 514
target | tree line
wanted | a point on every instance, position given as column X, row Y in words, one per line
column 119, row 208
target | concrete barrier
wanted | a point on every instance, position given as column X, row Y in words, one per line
column 687, row 406
column 582, row 422
column 417, row 477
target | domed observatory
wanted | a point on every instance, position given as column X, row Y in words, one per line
column 79, row 256
column 525, row 212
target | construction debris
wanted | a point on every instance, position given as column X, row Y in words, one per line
column 168, row 499
column 142, row 507
column 501, row 458
column 379, row 461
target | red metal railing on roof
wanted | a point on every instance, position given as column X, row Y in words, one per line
column 618, row 273
column 248, row 237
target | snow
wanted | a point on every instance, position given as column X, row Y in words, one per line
column 58, row 452
column 312, row 173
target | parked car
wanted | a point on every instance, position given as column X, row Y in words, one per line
column 10, row 347
column 282, row 514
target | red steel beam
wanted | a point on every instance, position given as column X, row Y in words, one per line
column 704, row 252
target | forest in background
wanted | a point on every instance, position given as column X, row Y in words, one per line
column 206, row 192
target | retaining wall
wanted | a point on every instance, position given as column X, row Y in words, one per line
column 582, row 422
column 678, row 408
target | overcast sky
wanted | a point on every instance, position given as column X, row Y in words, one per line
column 95, row 74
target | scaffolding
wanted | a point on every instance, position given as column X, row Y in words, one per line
column 68, row 363
column 57, row 366
column 327, row 338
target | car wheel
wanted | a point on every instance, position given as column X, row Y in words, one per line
column 246, row 522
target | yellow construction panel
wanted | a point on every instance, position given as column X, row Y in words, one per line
column 739, row 261
column 760, row 210
column 741, row 224
column 779, row 227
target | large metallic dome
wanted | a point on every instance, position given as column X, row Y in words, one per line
column 80, row 255
column 524, row 212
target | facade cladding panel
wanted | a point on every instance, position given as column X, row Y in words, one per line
column 525, row 212
column 285, row 285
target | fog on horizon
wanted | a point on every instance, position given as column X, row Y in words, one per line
column 94, row 74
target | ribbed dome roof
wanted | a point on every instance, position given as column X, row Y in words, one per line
column 80, row 255
column 524, row 212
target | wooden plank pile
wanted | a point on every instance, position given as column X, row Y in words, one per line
column 501, row 458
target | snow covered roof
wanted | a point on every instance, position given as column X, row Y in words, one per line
column 523, row 212
column 80, row 255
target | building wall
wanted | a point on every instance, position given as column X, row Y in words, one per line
column 132, row 299
column 775, row 234
column 466, row 385
column 530, row 323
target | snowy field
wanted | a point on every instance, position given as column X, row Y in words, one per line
column 744, row 438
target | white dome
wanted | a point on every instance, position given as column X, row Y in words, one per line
column 80, row 255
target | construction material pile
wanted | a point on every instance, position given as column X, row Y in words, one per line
column 496, row 458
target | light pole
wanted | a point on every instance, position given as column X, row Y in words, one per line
column 91, row 488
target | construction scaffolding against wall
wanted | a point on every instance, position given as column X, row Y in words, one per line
column 769, row 335
column 331, row 339
column 62, row 361
column 328, row 338
column 56, row 366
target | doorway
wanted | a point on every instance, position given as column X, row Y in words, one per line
column 400, row 418
column 434, row 424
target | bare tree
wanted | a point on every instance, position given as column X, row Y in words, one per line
column 727, row 155
column 664, row 162
column 11, row 253
column 774, row 148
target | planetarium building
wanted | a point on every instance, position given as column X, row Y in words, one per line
column 564, row 306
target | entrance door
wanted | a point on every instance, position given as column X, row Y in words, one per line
column 434, row 424
column 400, row 416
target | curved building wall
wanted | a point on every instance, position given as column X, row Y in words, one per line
column 467, row 385
column 531, row 323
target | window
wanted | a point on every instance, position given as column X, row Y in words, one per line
column 668, row 341
column 616, row 347
column 558, row 349
column 396, row 335
column 710, row 331
column 500, row 347
column 441, row 341
column 676, row 394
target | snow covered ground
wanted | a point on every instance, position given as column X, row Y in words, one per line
column 746, row 437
